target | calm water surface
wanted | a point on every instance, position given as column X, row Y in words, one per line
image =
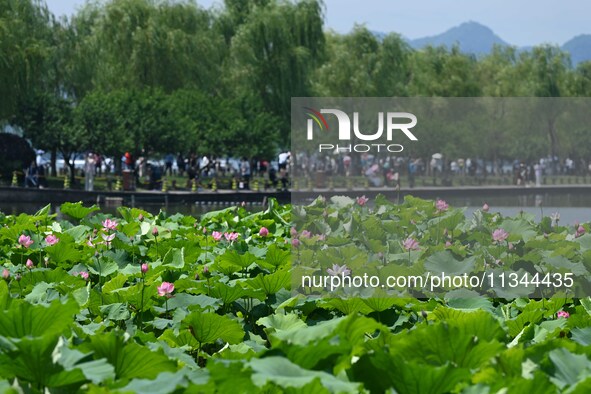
column 573, row 207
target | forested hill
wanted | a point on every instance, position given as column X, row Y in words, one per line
column 475, row 38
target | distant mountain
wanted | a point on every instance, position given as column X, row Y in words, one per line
column 579, row 48
column 472, row 37
column 475, row 38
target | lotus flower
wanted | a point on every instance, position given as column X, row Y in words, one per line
column 108, row 238
column 145, row 267
column 216, row 235
column 263, row 232
column 485, row 207
column 295, row 242
column 165, row 289
column 51, row 239
column 293, row 232
column 362, row 200
column 580, row 231
column 155, row 231
column 84, row 275
column 29, row 264
column 25, row 240
column 338, row 270
column 563, row 314
column 499, row 235
column 231, row 237
column 306, row 234
column 5, row 273
column 441, row 205
column 109, row 224
column 410, row 244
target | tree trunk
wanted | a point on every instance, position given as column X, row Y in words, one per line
column 53, row 161
column 72, row 172
column 69, row 160
column 553, row 138
column 117, row 165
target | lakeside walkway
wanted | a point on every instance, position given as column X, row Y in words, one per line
column 49, row 195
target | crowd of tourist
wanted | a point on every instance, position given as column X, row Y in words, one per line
column 379, row 170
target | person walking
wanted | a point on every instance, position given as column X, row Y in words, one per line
column 89, row 168
column 32, row 175
column 245, row 172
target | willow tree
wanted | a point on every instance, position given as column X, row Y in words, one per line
column 273, row 54
column 438, row 71
column 359, row 64
column 546, row 72
column 351, row 64
column 167, row 45
column 24, row 28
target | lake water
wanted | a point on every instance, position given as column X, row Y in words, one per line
column 572, row 207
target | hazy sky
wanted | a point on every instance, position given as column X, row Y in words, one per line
column 519, row 22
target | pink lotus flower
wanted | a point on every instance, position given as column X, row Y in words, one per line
column 108, row 238
column 410, row 244
column 306, row 234
column 231, row 237
column 5, row 274
column 362, row 200
column 263, row 232
column 580, row 231
column 144, row 268
column 511, row 247
column 204, row 230
column 216, row 235
column 441, row 205
column 293, row 232
column 338, row 270
column 25, row 240
column 563, row 314
column 140, row 217
column 485, row 207
column 155, row 231
column 321, row 237
column 165, row 289
column 84, row 275
column 29, row 264
column 295, row 242
column 447, row 244
column 499, row 235
column 51, row 239
column 109, row 224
